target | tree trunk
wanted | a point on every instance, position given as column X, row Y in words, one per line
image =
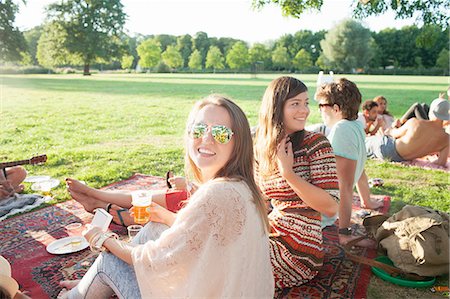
column 86, row 70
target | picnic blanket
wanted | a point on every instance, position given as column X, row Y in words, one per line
column 23, row 240
column 427, row 163
column 19, row 203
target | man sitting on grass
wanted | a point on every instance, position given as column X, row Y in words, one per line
column 369, row 118
column 415, row 139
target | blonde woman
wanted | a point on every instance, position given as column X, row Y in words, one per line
column 296, row 171
column 217, row 245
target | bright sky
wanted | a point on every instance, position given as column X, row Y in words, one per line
column 219, row 18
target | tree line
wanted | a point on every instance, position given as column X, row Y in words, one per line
column 85, row 33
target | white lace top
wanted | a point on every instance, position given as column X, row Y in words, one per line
column 216, row 248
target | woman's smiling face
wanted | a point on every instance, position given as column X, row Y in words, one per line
column 295, row 113
column 208, row 154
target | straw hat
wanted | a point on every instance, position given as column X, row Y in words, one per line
column 6, row 281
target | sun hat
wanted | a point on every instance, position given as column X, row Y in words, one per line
column 6, row 281
column 439, row 109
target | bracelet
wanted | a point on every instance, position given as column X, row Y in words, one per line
column 98, row 241
column 345, row 231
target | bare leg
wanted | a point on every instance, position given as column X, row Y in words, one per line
column 15, row 176
column 119, row 198
column 75, row 188
column 364, row 193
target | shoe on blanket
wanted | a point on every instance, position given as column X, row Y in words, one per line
column 120, row 215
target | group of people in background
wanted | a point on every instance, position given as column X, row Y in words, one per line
column 249, row 216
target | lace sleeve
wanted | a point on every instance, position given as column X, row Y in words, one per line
column 213, row 219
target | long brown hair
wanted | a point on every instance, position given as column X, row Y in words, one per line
column 241, row 163
column 378, row 99
column 270, row 127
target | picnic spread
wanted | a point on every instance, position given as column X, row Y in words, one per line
column 25, row 239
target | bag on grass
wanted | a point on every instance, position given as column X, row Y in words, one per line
column 416, row 239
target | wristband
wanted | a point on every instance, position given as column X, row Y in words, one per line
column 345, row 231
column 98, row 241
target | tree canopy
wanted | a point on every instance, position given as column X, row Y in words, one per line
column 347, row 46
column 92, row 28
column 12, row 42
column 426, row 11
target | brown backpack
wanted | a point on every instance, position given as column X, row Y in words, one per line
column 416, row 239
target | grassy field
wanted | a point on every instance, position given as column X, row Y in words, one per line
column 105, row 127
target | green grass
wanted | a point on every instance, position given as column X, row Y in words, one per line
column 104, row 128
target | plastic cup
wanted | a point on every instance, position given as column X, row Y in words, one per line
column 141, row 200
column 133, row 230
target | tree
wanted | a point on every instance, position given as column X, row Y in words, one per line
column 12, row 42
column 280, row 58
column 302, row 60
column 237, row 57
column 149, row 52
column 32, row 37
column 195, row 60
column 127, row 61
column 259, row 54
column 427, row 11
column 50, row 49
column 172, row 57
column 184, row 45
column 443, row 60
column 166, row 40
column 348, row 45
column 92, row 28
column 201, row 43
column 214, row 59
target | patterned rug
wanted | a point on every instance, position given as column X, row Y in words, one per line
column 23, row 240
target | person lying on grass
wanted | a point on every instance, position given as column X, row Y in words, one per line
column 217, row 245
column 416, row 138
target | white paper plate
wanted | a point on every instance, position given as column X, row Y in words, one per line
column 38, row 186
column 36, row 178
column 67, row 245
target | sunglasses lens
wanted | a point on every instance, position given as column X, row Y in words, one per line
column 221, row 134
column 198, row 130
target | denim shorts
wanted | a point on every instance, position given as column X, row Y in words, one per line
column 382, row 147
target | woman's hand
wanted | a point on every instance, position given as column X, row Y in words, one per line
column 285, row 157
column 91, row 231
column 178, row 183
column 158, row 214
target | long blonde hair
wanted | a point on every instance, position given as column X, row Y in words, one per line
column 270, row 127
column 241, row 163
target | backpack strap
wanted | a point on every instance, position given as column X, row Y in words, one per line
column 392, row 271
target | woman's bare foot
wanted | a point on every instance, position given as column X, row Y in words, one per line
column 121, row 215
column 372, row 204
column 78, row 187
column 89, row 203
column 69, row 284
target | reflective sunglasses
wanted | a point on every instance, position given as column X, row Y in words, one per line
column 221, row 134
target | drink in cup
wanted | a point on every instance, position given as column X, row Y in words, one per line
column 141, row 200
column 46, row 188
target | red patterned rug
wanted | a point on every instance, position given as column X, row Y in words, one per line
column 23, row 240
